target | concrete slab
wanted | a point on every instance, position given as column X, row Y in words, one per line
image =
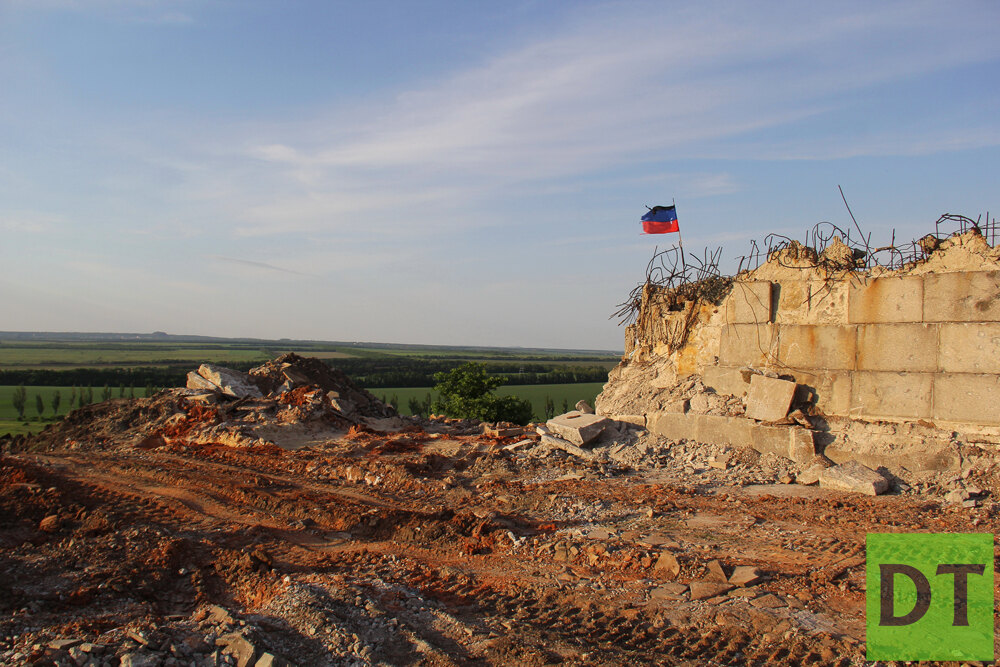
column 853, row 477
column 898, row 347
column 969, row 296
column 577, row 427
column 892, row 395
column 725, row 380
column 566, row 446
column 749, row 303
column 817, row 346
column 746, row 344
column 769, row 398
column 967, row 397
column 886, row 300
column 196, row 381
column 673, row 425
column 233, row 383
column 970, row 347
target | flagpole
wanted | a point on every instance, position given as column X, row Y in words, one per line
column 680, row 241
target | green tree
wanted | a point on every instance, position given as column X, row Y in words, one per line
column 90, row 395
column 19, row 398
column 394, row 402
column 39, row 406
column 131, row 391
column 414, row 405
column 149, row 390
column 550, row 407
column 106, row 393
column 72, row 397
column 565, row 406
column 467, row 392
column 121, row 390
column 56, row 400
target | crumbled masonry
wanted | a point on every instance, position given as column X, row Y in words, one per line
column 713, row 511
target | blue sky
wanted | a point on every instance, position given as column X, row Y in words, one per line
column 457, row 172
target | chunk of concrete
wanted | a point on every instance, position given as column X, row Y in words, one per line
column 702, row 590
column 584, row 407
column 566, row 446
column 769, row 399
column 667, row 566
column 197, row 382
column 232, row 383
column 577, row 427
column 745, row 575
column 239, row 647
column 854, row 477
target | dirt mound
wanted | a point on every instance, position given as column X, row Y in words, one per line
column 290, row 371
column 104, row 425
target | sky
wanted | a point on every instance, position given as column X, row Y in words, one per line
column 458, row 172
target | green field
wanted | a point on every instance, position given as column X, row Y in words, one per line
column 31, row 424
column 536, row 393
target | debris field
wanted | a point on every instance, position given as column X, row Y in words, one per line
column 287, row 517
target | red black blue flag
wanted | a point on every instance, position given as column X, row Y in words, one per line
column 660, row 220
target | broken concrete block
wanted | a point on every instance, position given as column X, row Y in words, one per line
column 854, row 477
column 667, row 566
column 716, row 572
column 231, row 382
column 769, row 399
column 671, row 591
column 801, row 445
column 196, row 381
column 584, row 407
column 745, row 575
column 577, row 427
column 239, row 647
column 271, row 660
column 520, row 444
column 957, row 496
column 702, row 590
column 502, row 431
column 566, row 446
column 810, row 475
column 679, row 406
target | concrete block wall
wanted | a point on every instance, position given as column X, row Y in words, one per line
column 910, row 347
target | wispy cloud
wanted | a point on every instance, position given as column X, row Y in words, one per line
column 617, row 87
column 256, row 265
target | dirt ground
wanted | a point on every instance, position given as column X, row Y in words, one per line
column 426, row 547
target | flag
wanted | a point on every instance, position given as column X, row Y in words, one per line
column 660, row 220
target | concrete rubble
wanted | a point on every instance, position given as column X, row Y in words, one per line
column 853, row 477
column 577, row 427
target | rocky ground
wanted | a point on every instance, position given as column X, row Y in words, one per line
column 128, row 538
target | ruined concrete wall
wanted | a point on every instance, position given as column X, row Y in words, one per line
column 919, row 345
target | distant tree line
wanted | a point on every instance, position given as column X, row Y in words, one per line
column 369, row 372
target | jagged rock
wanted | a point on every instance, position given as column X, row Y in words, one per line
column 50, row 524
column 577, row 427
column 239, row 647
column 584, row 407
column 232, row 383
column 716, row 572
column 745, row 575
column 197, row 382
column 702, row 590
column 667, row 566
column 855, row 477
column 141, row 658
column 271, row 660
